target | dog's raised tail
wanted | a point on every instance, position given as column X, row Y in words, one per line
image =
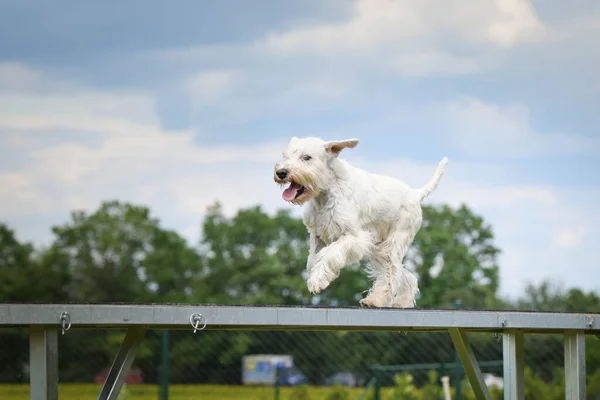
column 432, row 184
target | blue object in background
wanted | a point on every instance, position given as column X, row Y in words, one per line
column 291, row 376
column 269, row 369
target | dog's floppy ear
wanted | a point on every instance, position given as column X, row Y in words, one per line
column 335, row 147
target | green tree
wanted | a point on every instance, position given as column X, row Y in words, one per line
column 25, row 275
column 253, row 258
column 119, row 253
column 173, row 268
column 549, row 296
column 454, row 257
column 15, row 259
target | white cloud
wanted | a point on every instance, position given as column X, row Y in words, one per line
column 210, row 86
column 435, row 63
column 515, row 21
column 17, row 76
column 111, row 113
column 19, row 195
column 122, row 165
column 252, row 92
column 313, row 67
column 482, row 128
column 404, row 37
column 462, row 183
column 86, row 146
column 569, row 237
column 386, row 23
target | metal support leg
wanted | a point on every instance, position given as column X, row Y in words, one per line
column 574, row 365
column 123, row 361
column 43, row 363
column 469, row 363
column 514, row 365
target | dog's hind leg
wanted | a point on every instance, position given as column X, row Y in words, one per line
column 379, row 295
column 394, row 285
column 404, row 284
column 404, row 288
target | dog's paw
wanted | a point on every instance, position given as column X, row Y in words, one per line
column 320, row 277
column 371, row 302
column 366, row 303
column 317, row 282
column 315, row 285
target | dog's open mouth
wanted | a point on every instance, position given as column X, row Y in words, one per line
column 293, row 191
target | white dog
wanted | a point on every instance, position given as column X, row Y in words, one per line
column 353, row 215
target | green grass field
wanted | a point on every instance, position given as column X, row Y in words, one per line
column 176, row 392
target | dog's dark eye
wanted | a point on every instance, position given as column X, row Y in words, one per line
column 306, row 158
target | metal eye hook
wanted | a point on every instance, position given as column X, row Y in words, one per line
column 195, row 320
column 65, row 321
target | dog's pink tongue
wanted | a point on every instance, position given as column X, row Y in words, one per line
column 289, row 194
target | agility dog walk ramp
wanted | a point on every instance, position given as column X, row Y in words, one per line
column 46, row 321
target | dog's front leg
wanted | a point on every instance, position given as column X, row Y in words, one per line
column 316, row 245
column 347, row 250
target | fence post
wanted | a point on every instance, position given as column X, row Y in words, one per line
column 164, row 366
column 377, row 386
column 457, row 363
column 43, row 363
column 574, row 343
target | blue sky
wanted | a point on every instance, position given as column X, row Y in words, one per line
column 176, row 105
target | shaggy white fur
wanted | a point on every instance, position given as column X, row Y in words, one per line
column 352, row 215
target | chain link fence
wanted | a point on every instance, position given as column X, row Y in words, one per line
column 294, row 365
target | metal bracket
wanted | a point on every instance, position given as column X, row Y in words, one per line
column 196, row 319
column 123, row 361
column 65, row 321
column 469, row 363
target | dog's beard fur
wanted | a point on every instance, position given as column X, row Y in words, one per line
column 313, row 179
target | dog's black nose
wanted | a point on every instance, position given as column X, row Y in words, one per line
column 282, row 173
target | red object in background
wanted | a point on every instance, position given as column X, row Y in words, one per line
column 134, row 376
